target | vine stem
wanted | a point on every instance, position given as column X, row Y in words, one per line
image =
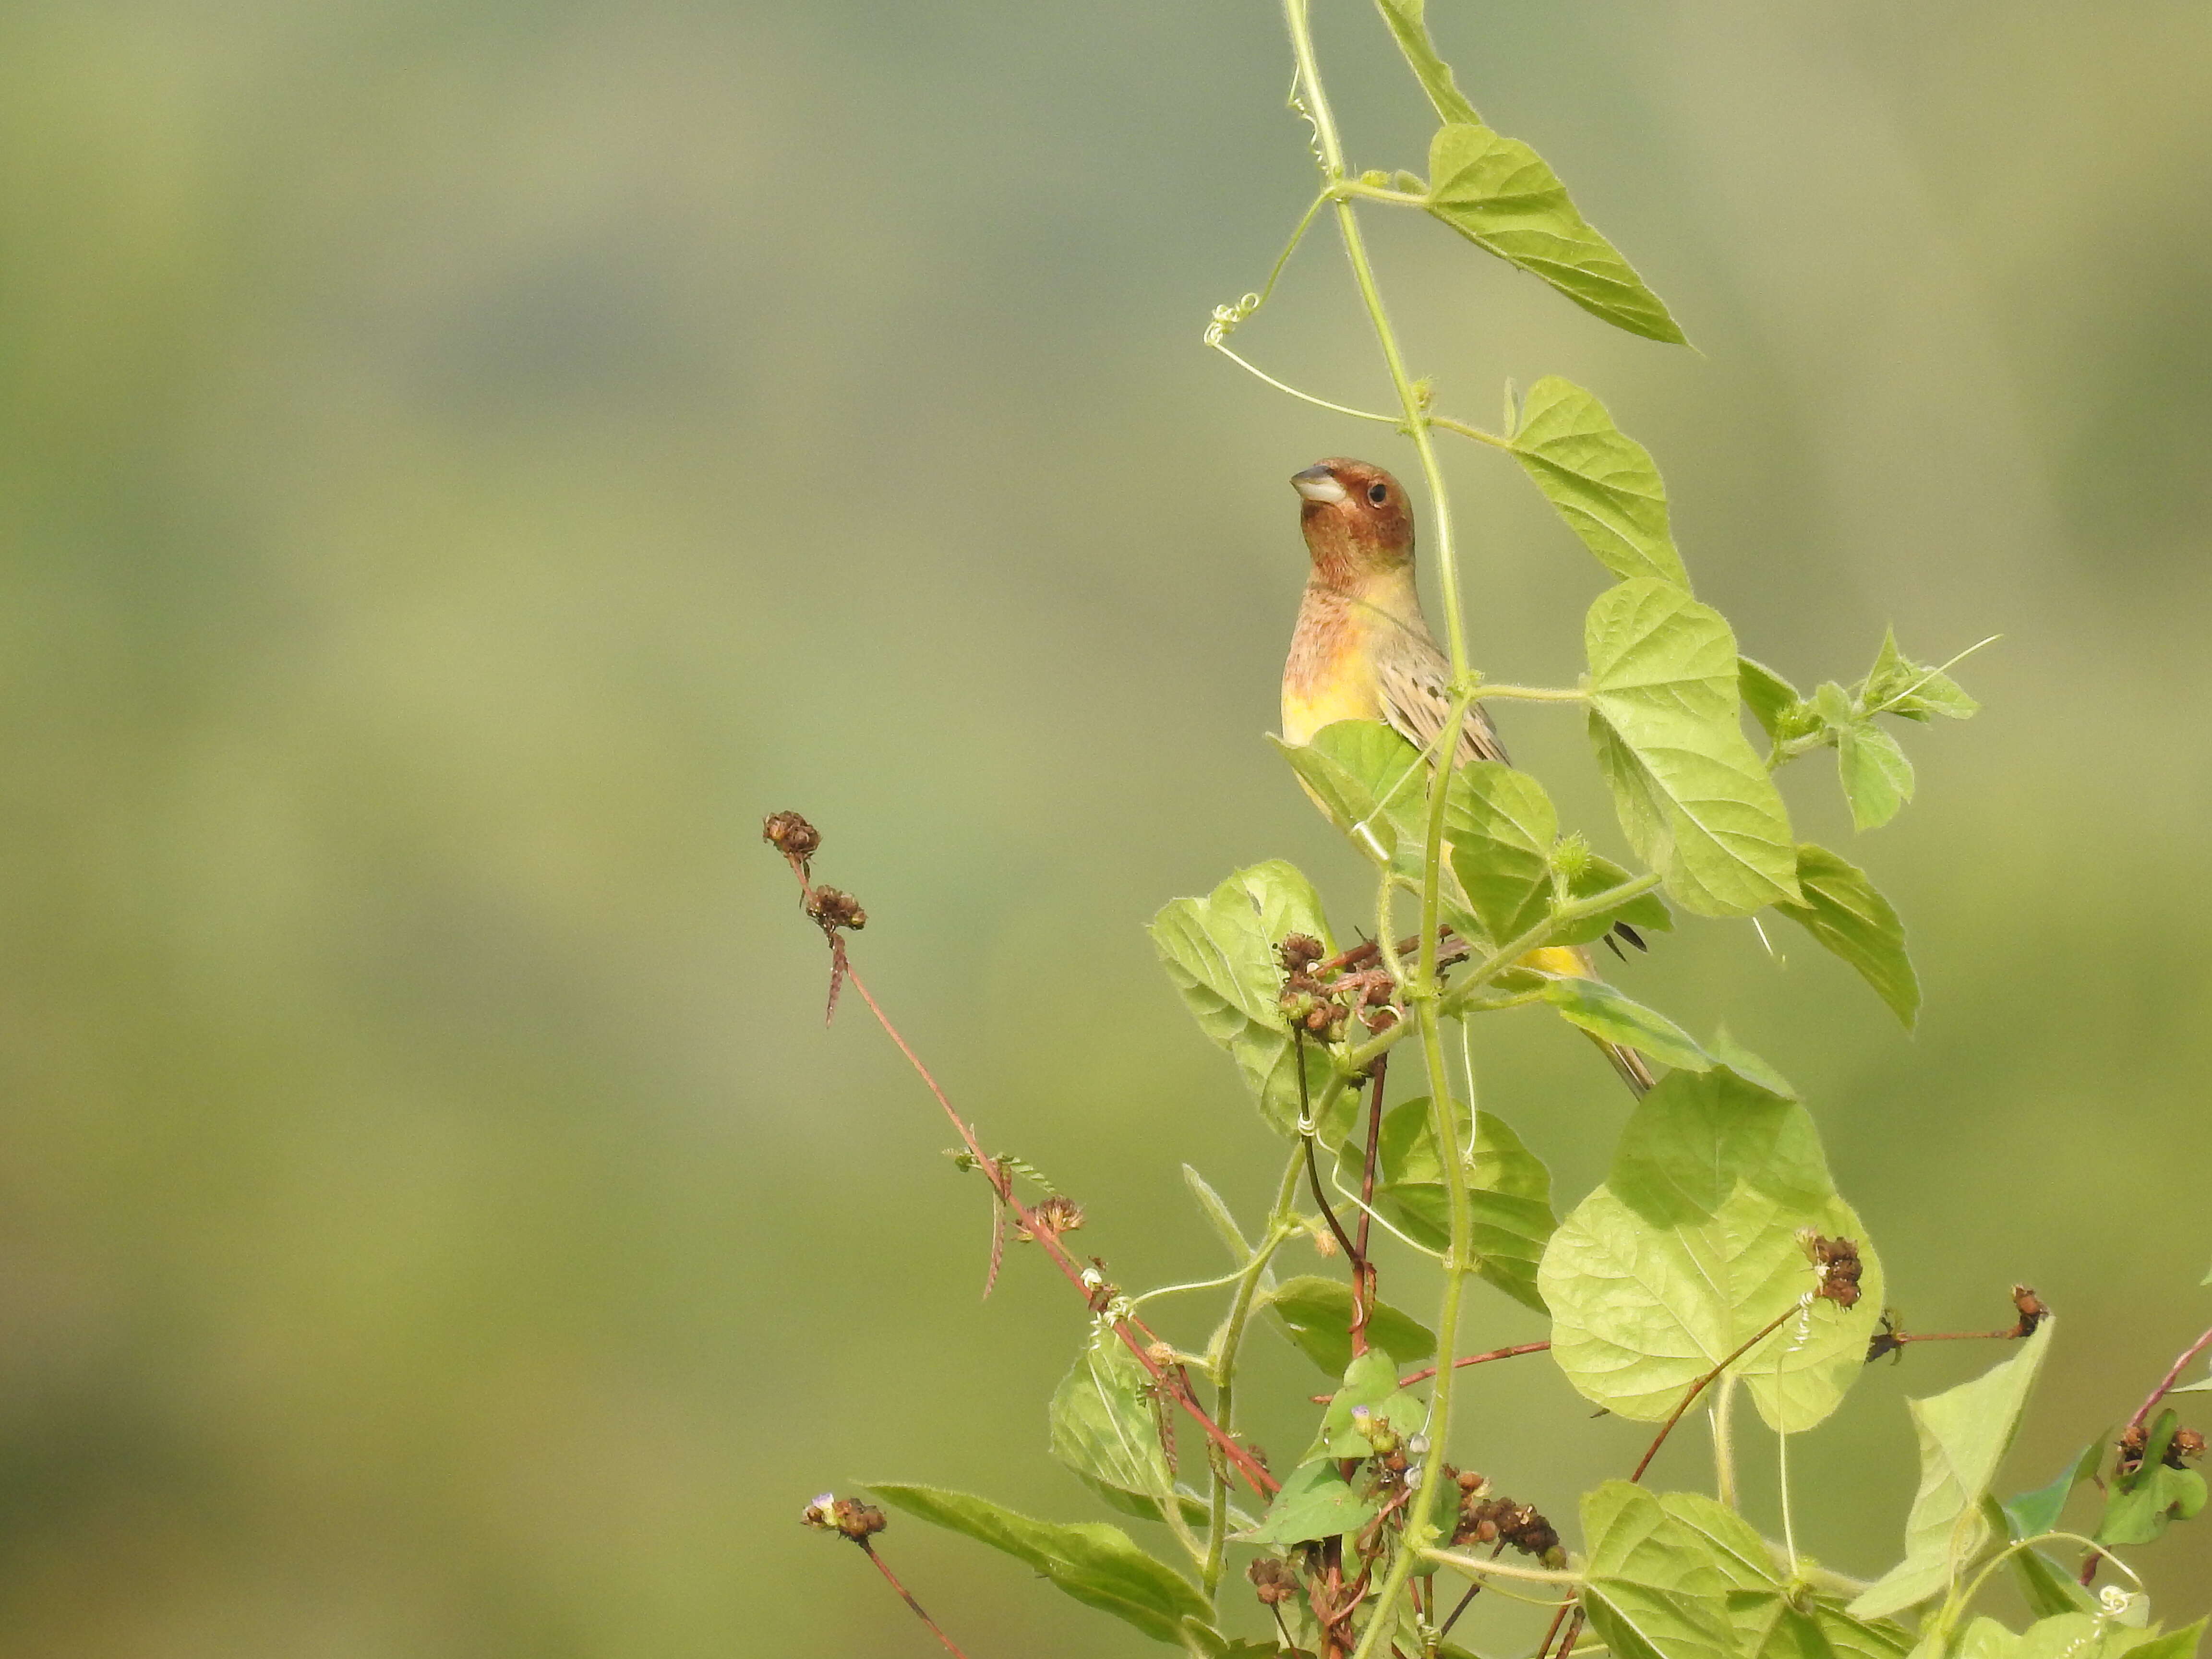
column 907, row 1596
column 2166, row 1383
column 1279, row 1227
column 1424, row 989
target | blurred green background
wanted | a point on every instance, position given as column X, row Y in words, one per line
column 462, row 464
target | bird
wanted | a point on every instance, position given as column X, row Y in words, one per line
column 1362, row 651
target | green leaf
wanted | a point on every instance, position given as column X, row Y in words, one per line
column 1369, row 782
column 1605, row 1014
column 1964, row 1434
column 1501, row 196
column 2033, row 1513
column 1105, row 1427
column 1845, row 912
column 1315, row 1502
column 1501, row 826
column 1509, row 1186
column 1653, row 1588
column 1897, row 686
column 1370, row 1383
column 1097, row 1564
column 2139, row 1506
column 1692, row 1247
column 1772, row 700
column 1858, row 1638
column 2174, row 1645
column 1404, row 17
column 1220, row 952
column 1316, row 1314
column 1877, row 779
column 1694, row 798
column 2047, row 1588
column 1602, row 482
column 1587, row 875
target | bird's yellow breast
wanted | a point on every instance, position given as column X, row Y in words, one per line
column 1331, row 674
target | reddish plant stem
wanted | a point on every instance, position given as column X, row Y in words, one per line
column 907, row 1596
column 1700, row 1385
column 1134, row 1334
column 1552, row 1629
column 1514, row 1351
column 1362, row 1266
column 2166, row 1383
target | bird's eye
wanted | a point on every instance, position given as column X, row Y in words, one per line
column 1378, row 493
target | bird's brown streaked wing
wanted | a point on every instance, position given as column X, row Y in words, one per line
column 1411, row 678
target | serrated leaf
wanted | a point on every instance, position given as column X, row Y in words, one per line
column 1097, row 1564
column 1510, row 1192
column 1370, row 1386
column 1607, row 1014
column 1845, row 912
column 2139, row 1506
column 1411, row 31
column 1316, row 1314
column 1593, row 875
column 1315, row 1502
column 1220, row 952
column 1772, row 700
column 1501, row 826
column 1876, row 777
column 1652, row 1588
column 1505, row 199
column 1600, row 480
column 1964, row 1434
column 1106, row 1429
column 1692, row 1247
column 1695, row 801
column 1370, row 783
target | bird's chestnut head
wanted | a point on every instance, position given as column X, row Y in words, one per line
column 1356, row 519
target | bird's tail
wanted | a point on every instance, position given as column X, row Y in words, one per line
column 1574, row 960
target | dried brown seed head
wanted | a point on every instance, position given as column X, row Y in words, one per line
column 1299, row 951
column 1055, row 1214
column 2185, row 1444
column 832, row 909
column 1836, row 1263
column 1273, row 1580
column 791, row 835
column 2033, row 1311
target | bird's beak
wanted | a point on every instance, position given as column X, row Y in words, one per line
column 1318, row 484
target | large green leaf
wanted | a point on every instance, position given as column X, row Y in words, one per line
column 1758, row 1592
column 1694, row 798
column 1653, row 1587
column 1502, row 196
column 1602, row 482
column 1607, row 1013
column 1316, row 1314
column 1315, row 1502
column 1843, row 912
column 1501, row 825
column 1964, row 1434
column 1097, row 1564
column 1220, row 952
column 1371, row 782
column 1693, row 1246
column 1106, row 1428
column 1411, row 30
column 1510, row 1192
column 1877, row 778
